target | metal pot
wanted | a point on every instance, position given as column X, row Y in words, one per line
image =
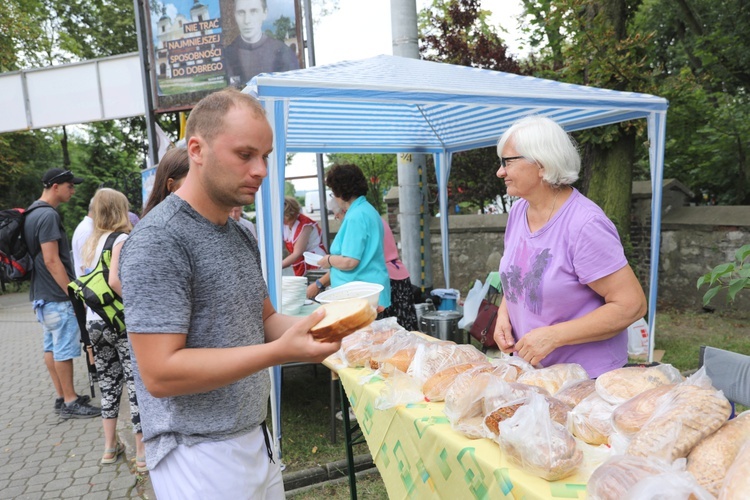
column 422, row 309
column 442, row 325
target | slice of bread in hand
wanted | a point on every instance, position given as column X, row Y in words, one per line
column 342, row 318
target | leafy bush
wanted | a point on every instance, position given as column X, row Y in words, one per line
column 733, row 276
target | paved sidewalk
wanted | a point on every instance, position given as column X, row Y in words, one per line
column 42, row 456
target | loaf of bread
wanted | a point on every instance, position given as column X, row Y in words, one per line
column 710, row 460
column 358, row 347
column 558, row 412
column 689, row 414
column 432, row 357
column 396, row 353
column 617, row 386
column 552, row 378
column 575, row 392
column 591, row 420
column 531, row 440
column 630, row 416
column 616, row 477
column 737, row 483
column 464, row 402
column 436, row 386
column 342, row 318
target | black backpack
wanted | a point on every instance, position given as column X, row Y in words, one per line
column 16, row 262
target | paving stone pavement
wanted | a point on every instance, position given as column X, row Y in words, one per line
column 42, row 456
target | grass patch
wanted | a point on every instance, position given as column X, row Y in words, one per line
column 370, row 487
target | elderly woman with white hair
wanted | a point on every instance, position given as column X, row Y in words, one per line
column 569, row 293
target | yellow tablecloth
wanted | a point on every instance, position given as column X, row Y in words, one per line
column 420, row 456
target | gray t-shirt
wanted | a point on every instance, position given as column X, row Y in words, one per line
column 183, row 274
column 42, row 226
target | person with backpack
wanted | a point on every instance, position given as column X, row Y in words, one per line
column 52, row 271
column 109, row 211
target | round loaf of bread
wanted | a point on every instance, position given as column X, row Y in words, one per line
column 342, row 318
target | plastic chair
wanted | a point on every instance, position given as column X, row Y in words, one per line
column 729, row 371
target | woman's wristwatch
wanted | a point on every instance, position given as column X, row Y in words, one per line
column 319, row 284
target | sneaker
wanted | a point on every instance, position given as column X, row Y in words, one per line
column 59, row 402
column 79, row 410
column 352, row 416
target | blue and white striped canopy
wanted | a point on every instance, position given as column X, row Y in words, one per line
column 390, row 104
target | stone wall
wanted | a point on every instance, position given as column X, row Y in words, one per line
column 693, row 241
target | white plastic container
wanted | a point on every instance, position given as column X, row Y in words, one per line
column 353, row 290
column 312, row 259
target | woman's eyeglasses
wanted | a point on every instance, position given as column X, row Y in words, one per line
column 505, row 159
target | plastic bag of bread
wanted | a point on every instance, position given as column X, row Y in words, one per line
column 396, row 353
column 534, row 442
column 710, row 460
column 627, row 477
column 591, row 420
column 433, row 357
column 552, row 378
column 684, row 416
column 400, row 389
column 520, row 364
column 436, row 386
column 558, row 412
column 617, row 386
column 357, row 348
column 737, row 482
column 464, row 402
column 630, row 416
column 574, row 392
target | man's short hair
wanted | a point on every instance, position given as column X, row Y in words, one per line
column 207, row 117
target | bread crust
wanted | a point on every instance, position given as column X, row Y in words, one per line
column 350, row 316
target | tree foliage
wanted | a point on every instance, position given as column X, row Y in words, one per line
column 458, row 32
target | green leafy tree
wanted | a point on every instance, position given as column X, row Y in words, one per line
column 458, row 32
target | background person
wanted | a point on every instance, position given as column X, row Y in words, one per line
column 170, row 173
column 357, row 250
column 53, row 270
column 202, row 328
column 569, row 293
column 301, row 234
column 111, row 348
column 236, row 214
column 253, row 52
column 80, row 235
column 402, row 296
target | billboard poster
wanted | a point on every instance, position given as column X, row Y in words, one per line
column 200, row 46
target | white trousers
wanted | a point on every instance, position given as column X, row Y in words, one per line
column 231, row 469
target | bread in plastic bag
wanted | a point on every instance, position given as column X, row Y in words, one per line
column 625, row 476
column 710, row 460
column 538, row 445
column 736, row 484
column 685, row 415
column 432, row 357
column 464, row 401
column 400, row 389
column 573, row 393
column 356, row 349
column 553, row 378
column 557, row 409
column 396, row 353
column 437, row 386
column 617, row 386
column 629, row 417
column 591, row 420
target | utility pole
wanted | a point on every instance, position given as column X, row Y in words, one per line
column 414, row 216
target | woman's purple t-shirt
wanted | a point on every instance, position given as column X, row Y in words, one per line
column 545, row 277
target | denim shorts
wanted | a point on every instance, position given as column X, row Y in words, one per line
column 62, row 336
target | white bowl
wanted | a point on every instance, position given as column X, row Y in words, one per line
column 353, row 290
column 312, row 259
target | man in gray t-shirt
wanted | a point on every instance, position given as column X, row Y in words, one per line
column 201, row 326
column 53, row 270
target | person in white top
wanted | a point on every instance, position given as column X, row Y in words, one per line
column 80, row 235
column 111, row 349
column 236, row 214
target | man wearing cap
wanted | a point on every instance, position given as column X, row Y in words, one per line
column 53, row 270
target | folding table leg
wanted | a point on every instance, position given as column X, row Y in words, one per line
column 334, row 390
column 348, row 433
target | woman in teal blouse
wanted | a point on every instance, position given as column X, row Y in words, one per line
column 357, row 250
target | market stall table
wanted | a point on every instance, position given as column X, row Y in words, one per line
column 419, row 455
